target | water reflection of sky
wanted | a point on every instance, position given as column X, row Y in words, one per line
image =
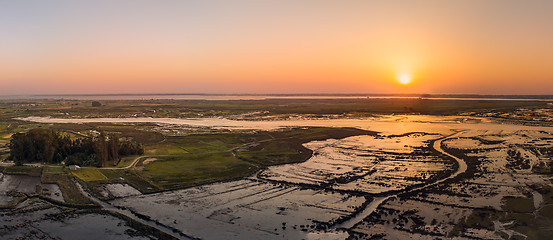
column 388, row 124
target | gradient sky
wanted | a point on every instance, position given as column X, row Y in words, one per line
column 281, row 46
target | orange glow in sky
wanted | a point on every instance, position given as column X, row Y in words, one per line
column 115, row 46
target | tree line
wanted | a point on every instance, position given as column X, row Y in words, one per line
column 48, row 146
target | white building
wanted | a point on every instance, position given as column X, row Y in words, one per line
column 74, row 167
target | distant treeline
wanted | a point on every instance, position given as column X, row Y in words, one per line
column 164, row 95
column 48, row 146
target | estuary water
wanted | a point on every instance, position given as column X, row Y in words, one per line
column 388, row 124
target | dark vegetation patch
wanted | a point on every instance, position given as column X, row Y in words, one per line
column 478, row 219
column 205, row 108
column 45, row 145
column 518, row 204
column 287, row 146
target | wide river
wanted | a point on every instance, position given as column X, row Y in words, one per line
column 388, row 124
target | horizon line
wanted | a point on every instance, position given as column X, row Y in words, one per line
column 476, row 95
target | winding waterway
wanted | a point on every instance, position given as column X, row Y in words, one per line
column 371, row 207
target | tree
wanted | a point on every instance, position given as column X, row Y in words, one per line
column 101, row 149
column 37, row 145
column 48, row 146
column 113, row 148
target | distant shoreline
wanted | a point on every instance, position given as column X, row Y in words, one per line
column 206, row 96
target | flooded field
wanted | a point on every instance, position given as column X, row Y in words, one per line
column 504, row 190
column 245, row 209
column 41, row 220
column 25, row 184
column 118, row 190
column 366, row 164
column 421, row 177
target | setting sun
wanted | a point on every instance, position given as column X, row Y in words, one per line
column 402, row 119
column 404, row 78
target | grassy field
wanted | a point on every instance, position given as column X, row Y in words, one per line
column 224, row 156
column 5, row 137
column 287, row 146
column 126, row 161
column 53, row 170
column 203, row 143
column 195, row 159
column 164, row 149
column 24, row 170
column 270, row 153
column 89, row 174
column 190, row 170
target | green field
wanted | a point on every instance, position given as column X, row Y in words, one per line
column 164, row 149
column 89, row 174
column 24, row 170
column 184, row 171
column 53, row 170
column 126, row 161
column 212, row 157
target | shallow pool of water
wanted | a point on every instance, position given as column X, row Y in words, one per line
column 26, row 184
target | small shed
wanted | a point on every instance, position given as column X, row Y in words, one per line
column 74, row 167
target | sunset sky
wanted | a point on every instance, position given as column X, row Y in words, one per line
column 281, row 46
